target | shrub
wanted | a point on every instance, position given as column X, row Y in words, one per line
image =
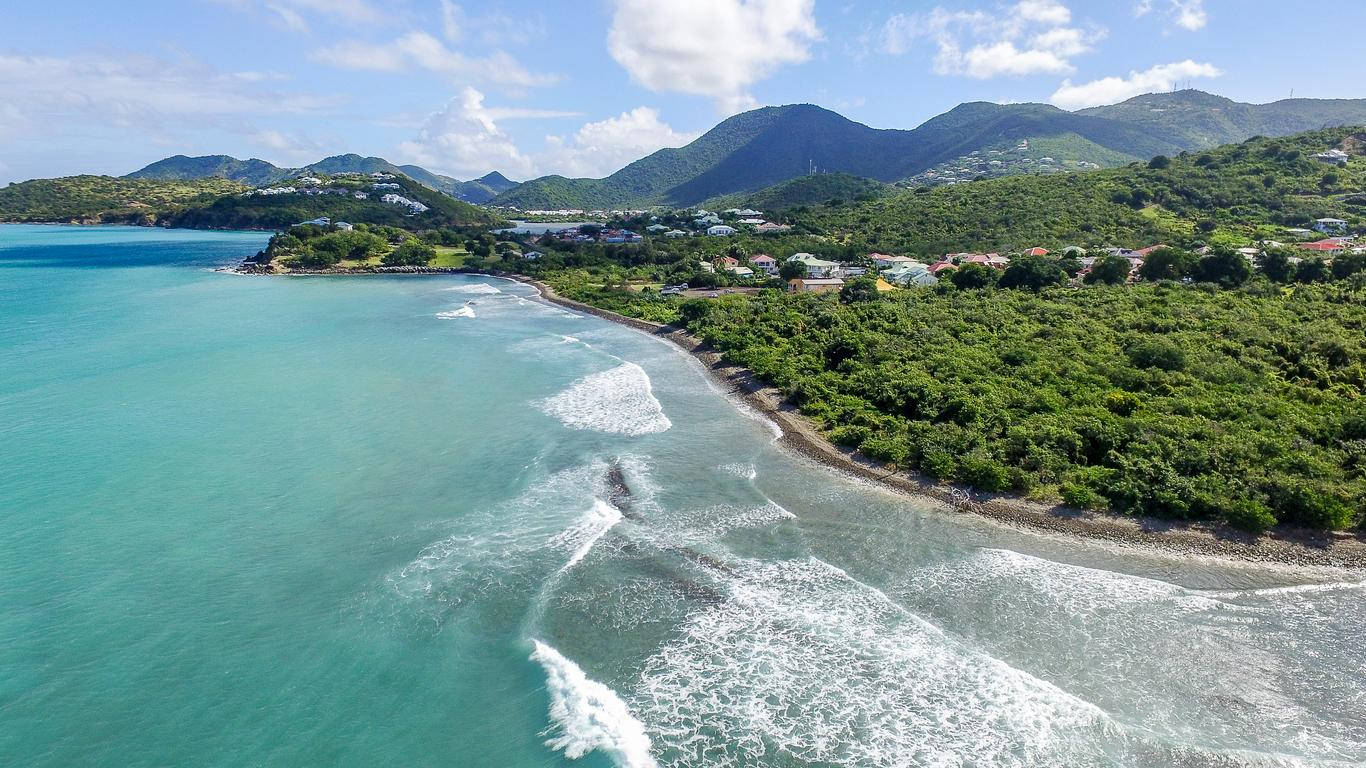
column 984, row 474
column 886, row 450
column 1081, row 497
column 1250, row 516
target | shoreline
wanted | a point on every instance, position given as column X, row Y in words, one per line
column 1284, row 547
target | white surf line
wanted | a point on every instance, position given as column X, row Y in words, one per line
column 962, row 646
column 588, row 716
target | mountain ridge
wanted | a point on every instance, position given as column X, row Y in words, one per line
column 256, row 172
column 758, row 149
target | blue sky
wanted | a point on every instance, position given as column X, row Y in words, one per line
column 531, row 87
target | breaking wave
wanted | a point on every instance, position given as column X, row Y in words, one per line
column 482, row 289
column 804, row 664
column 589, row 716
column 617, row 401
column 455, row 313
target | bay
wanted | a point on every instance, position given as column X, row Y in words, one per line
column 435, row 521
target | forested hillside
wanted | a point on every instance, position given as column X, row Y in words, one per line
column 1235, row 193
column 93, row 199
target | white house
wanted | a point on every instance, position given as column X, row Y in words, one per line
column 769, row 228
column 751, row 222
column 1333, row 156
column 359, row 195
column 720, row 230
column 312, row 180
column 816, row 267
column 656, row 228
column 344, row 226
column 674, row 234
column 883, row 261
column 742, row 271
column 1330, row 226
column 765, row 263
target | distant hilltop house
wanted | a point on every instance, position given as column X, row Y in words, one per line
column 1036, row 252
column 1333, row 156
column 1330, row 226
column 815, row 285
column 720, row 230
column 655, row 229
column 884, row 261
column 620, row 236
column 413, row 206
column 312, row 181
column 271, row 191
column 769, row 228
column 379, row 175
column 674, row 234
column 1331, row 247
column 751, row 222
column 321, row 221
column 992, row 260
column 384, row 185
column 709, row 220
column 359, row 195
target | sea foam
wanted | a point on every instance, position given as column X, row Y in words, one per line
column 482, row 289
column 617, row 401
column 455, row 313
column 588, row 715
column 804, row 665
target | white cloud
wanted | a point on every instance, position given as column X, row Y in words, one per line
column 292, row 13
column 713, row 48
column 465, row 140
column 1111, row 90
column 1186, row 14
column 420, row 50
column 1028, row 38
column 1190, row 14
column 600, row 148
column 133, row 90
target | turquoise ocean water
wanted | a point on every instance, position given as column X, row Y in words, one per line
column 435, row 522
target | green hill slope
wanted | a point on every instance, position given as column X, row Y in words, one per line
column 1198, row 120
column 94, row 199
column 281, row 211
column 1237, row 193
column 815, row 189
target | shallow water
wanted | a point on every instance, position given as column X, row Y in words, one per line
column 364, row 521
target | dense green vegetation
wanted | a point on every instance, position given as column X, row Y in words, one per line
column 1232, row 194
column 1178, row 402
column 253, row 172
column 757, row 149
column 815, row 189
column 92, row 199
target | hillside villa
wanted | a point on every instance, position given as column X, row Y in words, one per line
column 815, row 285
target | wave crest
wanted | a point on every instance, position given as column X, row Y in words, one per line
column 588, row 715
column 617, row 401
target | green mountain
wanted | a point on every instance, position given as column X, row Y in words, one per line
column 252, row 172
column 1197, row 120
column 761, row 148
column 259, row 173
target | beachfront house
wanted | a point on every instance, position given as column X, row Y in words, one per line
column 815, row 285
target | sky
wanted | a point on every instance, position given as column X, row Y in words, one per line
column 533, row 87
